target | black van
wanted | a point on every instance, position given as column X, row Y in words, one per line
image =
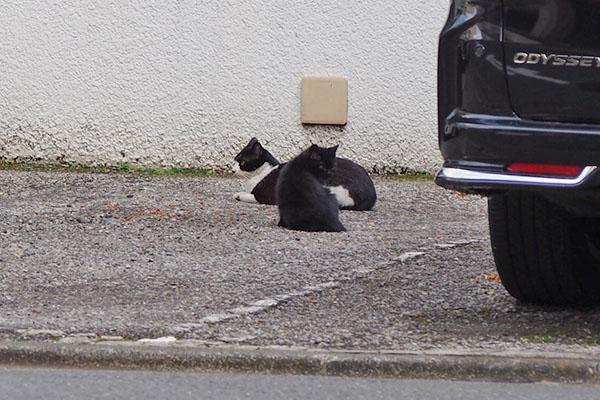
column 519, row 121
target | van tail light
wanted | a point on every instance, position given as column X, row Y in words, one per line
column 546, row 169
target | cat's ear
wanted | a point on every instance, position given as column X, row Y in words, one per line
column 257, row 147
column 313, row 152
column 330, row 151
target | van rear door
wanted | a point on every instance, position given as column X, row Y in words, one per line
column 552, row 53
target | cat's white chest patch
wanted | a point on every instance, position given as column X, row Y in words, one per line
column 342, row 195
column 261, row 173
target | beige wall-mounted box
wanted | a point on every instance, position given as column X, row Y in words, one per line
column 324, row 100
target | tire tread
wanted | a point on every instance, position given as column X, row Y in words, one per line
column 539, row 251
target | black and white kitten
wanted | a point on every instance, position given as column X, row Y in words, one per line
column 304, row 203
column 350, row 183
column 256, row 162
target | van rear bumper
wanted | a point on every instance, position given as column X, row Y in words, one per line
column 478, row 148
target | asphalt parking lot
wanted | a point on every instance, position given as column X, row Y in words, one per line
column 138, row 256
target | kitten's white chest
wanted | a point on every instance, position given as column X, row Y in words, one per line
column 261, row 173
column 342, row 195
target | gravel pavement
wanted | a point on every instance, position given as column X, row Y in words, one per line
column 142, row 256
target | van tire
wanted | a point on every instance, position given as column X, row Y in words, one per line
column 544, row 254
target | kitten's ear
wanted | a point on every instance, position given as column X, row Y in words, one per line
column 257, row 147
column 313, row 152
column 330, row 151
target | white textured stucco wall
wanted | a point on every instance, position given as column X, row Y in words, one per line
column 188, row 83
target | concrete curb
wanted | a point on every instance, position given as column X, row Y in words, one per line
column 194, row 357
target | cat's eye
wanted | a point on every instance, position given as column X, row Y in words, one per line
column 242, row 163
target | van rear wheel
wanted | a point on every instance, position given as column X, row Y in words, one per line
column 543, row 253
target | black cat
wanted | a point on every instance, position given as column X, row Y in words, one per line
column 350, row 183
column 304, row 203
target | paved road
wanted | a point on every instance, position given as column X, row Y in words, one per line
column 140, row 256
column 64, row 384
